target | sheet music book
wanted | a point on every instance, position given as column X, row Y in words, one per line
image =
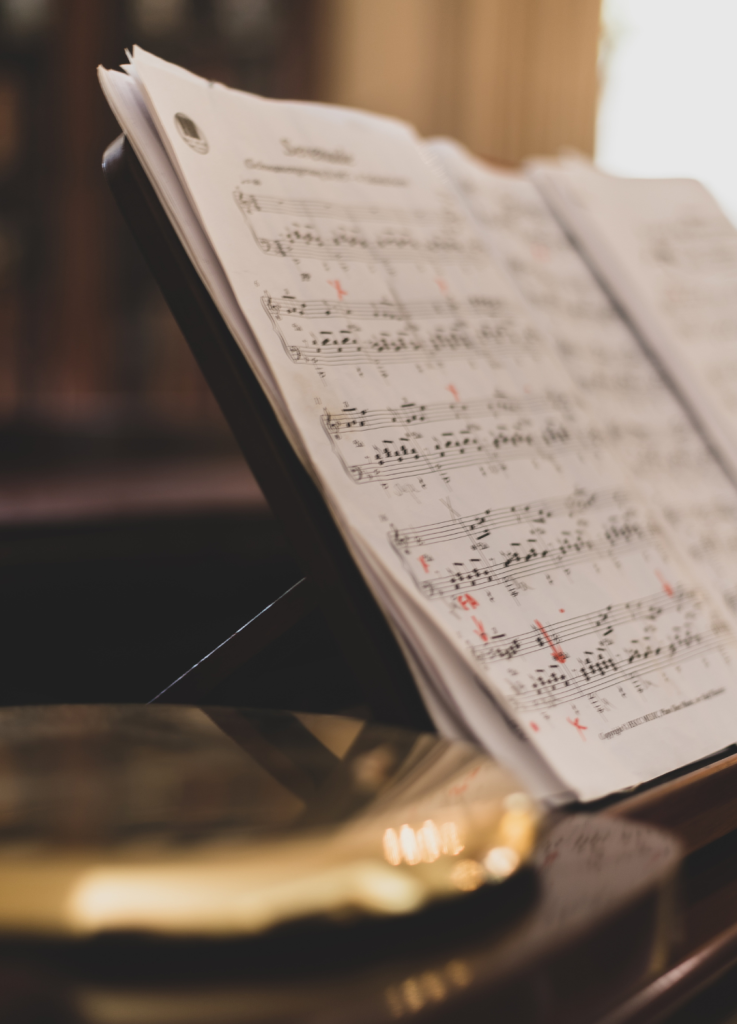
column 639, row 414
column 545, row 604
column 668, row 255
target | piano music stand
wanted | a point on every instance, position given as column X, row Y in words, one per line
column 333, row 581
column 697, row 802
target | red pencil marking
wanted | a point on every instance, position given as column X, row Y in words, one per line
column 453, row 390
column 479, row 630
column 552, row 856
column 535, row 727
column 666, row 586
column 461, row 787
column 561, row 610
column 338, row 289
column 557, row 651
column 423, row 563
column 577, row 725
column 441, row 285
column 467, row 602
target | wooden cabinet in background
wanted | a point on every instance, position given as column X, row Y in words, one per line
column 84, row 334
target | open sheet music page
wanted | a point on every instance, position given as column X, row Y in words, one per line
column 465, row 713
column 668, row 255
column 448, row 439
column 640, row 416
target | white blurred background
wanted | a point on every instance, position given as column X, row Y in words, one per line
column 668, row 102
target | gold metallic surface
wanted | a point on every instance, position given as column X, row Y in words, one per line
column 173, row 821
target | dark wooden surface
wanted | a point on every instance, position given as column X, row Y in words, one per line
column 602, row 976
column 192, row 486
column 700, row 805
column 358, row 625
column 699, row 984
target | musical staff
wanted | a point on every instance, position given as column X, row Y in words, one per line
column 568, row 294
column 516, row 213
column 289, row 305
column 478, row 526
column 459, row 440
column 251, row 204
column 324, row 333
column 472, row 558
column 694, row 244
column 561, row 686
column 592, row 657
column 413, row 414
column 332, row 231
column 504, row 648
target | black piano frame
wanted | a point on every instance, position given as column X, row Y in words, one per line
column 332, row 580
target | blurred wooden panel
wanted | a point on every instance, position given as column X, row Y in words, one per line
column 84, row 334
column 510, row 78
column 10, row 342
column 76, row 365
column 381, row 55
column 561, row 89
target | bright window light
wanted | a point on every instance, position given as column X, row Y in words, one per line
column 669, row 92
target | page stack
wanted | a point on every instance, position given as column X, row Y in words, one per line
column 537, row 483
